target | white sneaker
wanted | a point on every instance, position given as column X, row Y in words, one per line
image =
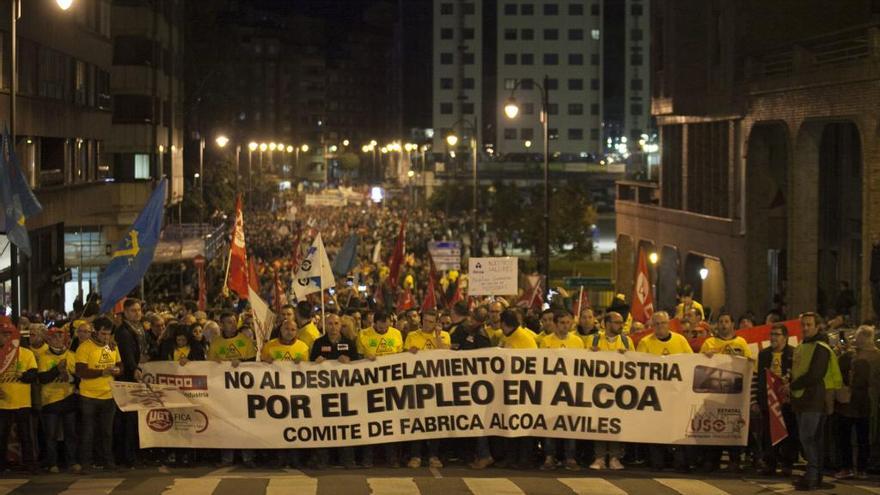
column 599, row 463
column 615, row 464
column 415, row 462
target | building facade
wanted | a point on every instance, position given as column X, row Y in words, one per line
column 769, row 155
column 637, row 70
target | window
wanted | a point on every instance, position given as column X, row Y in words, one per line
column 510, row 9
column 510, row 84
column 552, row 84
column 509, row 59
column 551, row 59
column 575, row 34
column 635, row 109
column 594, row 33
column 467, row 58
column 527, row 84
column 467, row 108
column 553, row 134
column 635, row 59
column 468, row 83
column 132, row 50
column 594, row 109
column 467, row 33
column 635, row 34
column 445, row 83
column 594, row 84
column 445, row 9
column 527, row 59
column 446, row 108
column 132, row 109
column 594, row 9
column 468, row 8
column 575, row 109
column 594, row 134
column 575, row 84
column 510, row 34
column 509, row 133
column 446, row 33
column 141, row 166
column 528, row 109
column 527, row 34
column 445, row 58
column 553, row 108
column 575, row 134
column 575, row 59
column 635, row 10
column 80, row 89
column 576, row 9
column 526, row 133
column 551, row 9
column 636, row 85
column 551, row 34
column 594, row 59
column 527, row 9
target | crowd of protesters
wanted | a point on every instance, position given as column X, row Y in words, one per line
column 56, row 391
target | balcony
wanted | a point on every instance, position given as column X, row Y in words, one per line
column 93, row 204
column 641, row 192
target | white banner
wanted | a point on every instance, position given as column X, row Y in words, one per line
column 446, row 254
column 633, row 397
column 314, row 273
column 493, row 276
column 147, row 396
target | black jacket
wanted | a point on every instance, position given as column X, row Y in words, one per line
column 813, row 381
column 129, row 351
column 765, row 359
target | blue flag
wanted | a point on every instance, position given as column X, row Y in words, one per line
column 16, row 197
column 347, row 256
column 134, row 253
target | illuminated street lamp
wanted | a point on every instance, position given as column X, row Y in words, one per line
column 221, row 141
column 452, row 140
column 304, row 148
column 653, row 258
column 704, row 273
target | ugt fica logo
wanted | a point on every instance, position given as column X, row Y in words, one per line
column 160, row 420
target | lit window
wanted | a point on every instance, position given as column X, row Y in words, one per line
column 141, row 166
column 594, row 33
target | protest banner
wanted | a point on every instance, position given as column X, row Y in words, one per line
column 135, row 396
column 446, row 254
column 493, row 276
column 565, row 393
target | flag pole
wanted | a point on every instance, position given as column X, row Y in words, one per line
column 580, row 303
column 320, row 281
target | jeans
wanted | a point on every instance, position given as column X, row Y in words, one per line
column 844, row 437
column 389, row 449
column 786, row 451
column 97, row 424
column 611, row 449
column 433, row 447
column 519, row 451
column 127, row 437
column 228, row 455
column 21, row 419
column 811, row 429
column 569, row 448
column 57, row 420
column 483, row 450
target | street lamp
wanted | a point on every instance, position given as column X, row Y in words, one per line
column 511, row 110
column 221, row 141
column 653, row 258
column 452, row 140
column 704, row 273
column 64, row 4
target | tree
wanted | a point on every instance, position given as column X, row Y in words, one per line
column 219, row 192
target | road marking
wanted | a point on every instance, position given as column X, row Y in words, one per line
column 778, row 487
column 220, row 471
column 435, row 472
column 872, row 489
column 690, row 487
column 193, row 486
column 292, row 484
column 592, row 486
column 492, row 486
column 7, row 486
column 393, row 486
column 92, row 486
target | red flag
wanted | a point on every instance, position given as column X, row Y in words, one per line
column 533, row 299
column 236, row 266
column 9, row 351
column 397, row 256
column 582, row 303
column 280, row 298
column 297, row 253
column 253, row 276
column 199, row 261
column 405, row 301
column 643, row 297
column 430, row 300
column 456, row 295
column 778, row 429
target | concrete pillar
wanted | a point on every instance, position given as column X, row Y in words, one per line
column 803, row 219
column 869, row 127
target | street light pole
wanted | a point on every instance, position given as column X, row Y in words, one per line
column 13, row 89
column 475, row 232
column 201, row 176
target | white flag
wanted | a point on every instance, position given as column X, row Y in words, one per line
column 314, row 273
column 377, row 252
column 264, row 319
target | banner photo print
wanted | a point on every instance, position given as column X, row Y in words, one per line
column 631, row 397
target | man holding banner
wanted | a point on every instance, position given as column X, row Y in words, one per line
column 774, row 364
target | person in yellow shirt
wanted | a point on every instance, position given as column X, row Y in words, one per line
column 727, row 342
column 308, row 332
column 56, row 367
column 686, row 296
column 493, row 326
column 548, row 325
column 515, row 336
column 15, row 394
column 287, row 347
column 663, row 342
column 97, row 363
column 561, row 338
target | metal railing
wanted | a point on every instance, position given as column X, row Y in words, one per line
column 641, row 192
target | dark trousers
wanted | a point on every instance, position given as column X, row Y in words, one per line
column 389, row 449
column 785, row 452
column 97, row 426
column 21, row 419
column 519, row 451
column 683, row 456
column 61, row 419
column 432, row 446
column 844, row 441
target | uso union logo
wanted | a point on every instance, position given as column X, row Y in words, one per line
column 160, row 420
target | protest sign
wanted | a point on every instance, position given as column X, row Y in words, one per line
column 446, row 254
column 564, row 393
column 135, row 396
column 492, row 276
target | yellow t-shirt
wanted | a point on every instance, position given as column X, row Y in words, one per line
column 571, row 341
column 603, row 344
column 96, row 357
column 521, row 338
column 676, row 344
column 371, row 343
column 296, row 350
column 424, row 341
column 16, row 394
column 736, row 346
column 308, row 334
column 40, row 350
column 181, row 353
column 239, row 347
column 495, row 335
column 59, row 389
column 679, row 310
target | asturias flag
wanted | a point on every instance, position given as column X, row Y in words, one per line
column 17, row 199
column 134, row 253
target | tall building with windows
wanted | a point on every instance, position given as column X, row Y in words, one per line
column 637, row 69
